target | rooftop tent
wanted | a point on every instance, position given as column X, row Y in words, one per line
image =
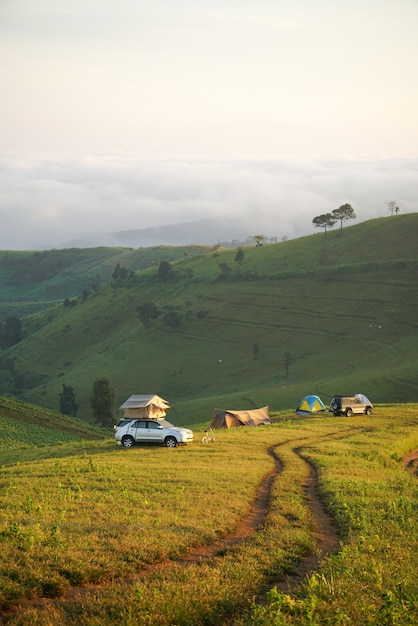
column 363, row 398
column 232, row 419
column 310, row 404
column 147, row 405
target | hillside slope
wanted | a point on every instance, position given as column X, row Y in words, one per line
column 24, row 425
column 31, row 281
column 326, row 315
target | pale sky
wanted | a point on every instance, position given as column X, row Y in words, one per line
column 140, row 113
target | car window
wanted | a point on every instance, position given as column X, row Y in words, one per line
column 152, row 425
column 140, row 424
column 123, row 422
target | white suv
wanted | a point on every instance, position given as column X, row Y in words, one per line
column 131, row 431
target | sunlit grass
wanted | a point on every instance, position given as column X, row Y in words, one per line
column 103, row 516
column 372, row 580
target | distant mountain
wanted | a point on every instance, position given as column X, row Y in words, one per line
column 206, row 231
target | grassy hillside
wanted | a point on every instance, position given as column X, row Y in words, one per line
column 313, row 315
column 30, row 281
column 25, row 428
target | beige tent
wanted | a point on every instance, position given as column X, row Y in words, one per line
column 147, row 405
column 232, row 419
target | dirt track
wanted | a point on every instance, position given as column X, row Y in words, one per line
column 325, row 533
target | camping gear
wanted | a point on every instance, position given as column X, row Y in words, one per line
column 147, row 405
column 232, row 419
column 310, row 404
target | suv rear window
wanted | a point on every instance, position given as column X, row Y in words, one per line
column 123, row 422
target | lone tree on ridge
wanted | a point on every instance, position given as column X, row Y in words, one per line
column 259, row 240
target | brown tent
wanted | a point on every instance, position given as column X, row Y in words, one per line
column 232, row 419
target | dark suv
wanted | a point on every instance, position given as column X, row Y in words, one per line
column 348, row 405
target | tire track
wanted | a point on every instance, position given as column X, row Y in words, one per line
column 324, row 532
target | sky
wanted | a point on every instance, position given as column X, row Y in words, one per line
column 126, row 114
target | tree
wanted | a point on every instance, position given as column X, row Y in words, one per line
column 164, row 271
column 343, row 213
column 392, row 207
column 259, row 240
column 239, row 257
column 103, row 401
column 11, row 332
column 120, row 272
column 172, row 319
column 324, row 221
column 288, row 360
column 225, row 271
column 147, row 312
column 68, row 404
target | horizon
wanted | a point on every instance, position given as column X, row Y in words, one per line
column 130, row 115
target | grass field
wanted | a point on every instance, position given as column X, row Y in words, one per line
column 92, row 534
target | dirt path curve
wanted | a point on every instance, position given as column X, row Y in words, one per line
column 252, row 522
column 410, row 462
column 324, row 531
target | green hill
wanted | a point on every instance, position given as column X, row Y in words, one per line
column 26, row 426
column 30, row 281
column 326, row 315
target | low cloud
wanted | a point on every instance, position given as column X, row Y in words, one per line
column 51, row 200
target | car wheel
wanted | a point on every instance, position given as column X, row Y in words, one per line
column 348, row 412
column 170, row 442
column 128, row 442
column 369, row 410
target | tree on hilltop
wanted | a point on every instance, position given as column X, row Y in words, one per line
column 327, row 220
column 343, row 213
column 259, row 240
column 392, row 207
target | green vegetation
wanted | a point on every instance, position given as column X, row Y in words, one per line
column 107, row 534
column 144, row 509
column 325, row 321
column 103, row 401
column 29, row 281
column 29, row 428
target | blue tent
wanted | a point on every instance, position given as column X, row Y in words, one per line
column 310, row 404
